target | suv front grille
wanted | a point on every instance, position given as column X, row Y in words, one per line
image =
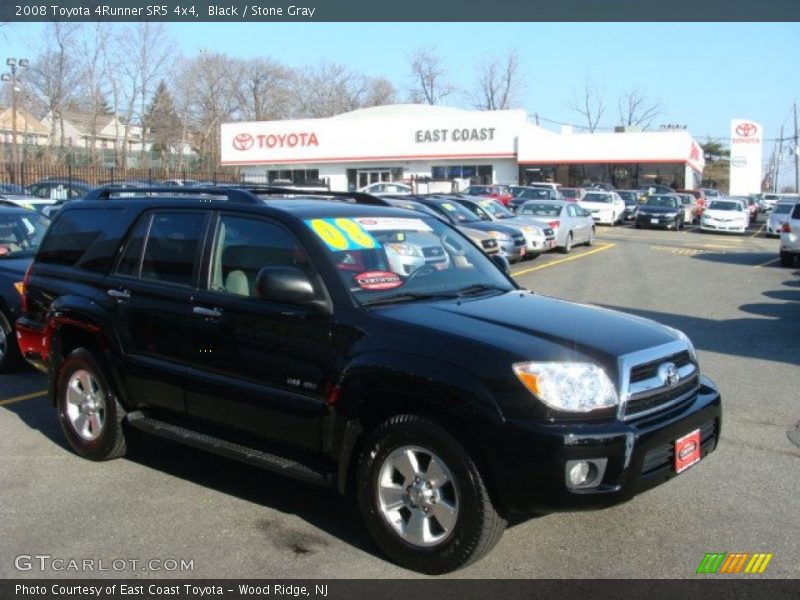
column 489, row 244
column 649, row 390
column 649, row 369
column 519, row 240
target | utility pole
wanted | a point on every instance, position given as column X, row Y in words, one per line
column 778, row 161
column 12, row 78
column 796, row 156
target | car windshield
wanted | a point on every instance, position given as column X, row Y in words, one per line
column 21, row 233
column 629, row 197
column 686, row 199
column 782, row 209
column 480, row 190
column 497, row 210
column 386, row 260
column 600, row 198
column 725, row 205
column 662, row 201
column 538, row 194
column 569, row 193
column 543, row 209
column 455, row 212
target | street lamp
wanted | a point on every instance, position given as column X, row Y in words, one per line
column 13, row 65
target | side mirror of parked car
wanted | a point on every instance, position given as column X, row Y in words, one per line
column 501, row 262
column 288, row 285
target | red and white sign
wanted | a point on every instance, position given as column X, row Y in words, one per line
column 746, row 150
column 687, row 451
column 378, row 280
column 364, row 136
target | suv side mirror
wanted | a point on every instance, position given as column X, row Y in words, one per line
column 287, row 285
column 501, row 262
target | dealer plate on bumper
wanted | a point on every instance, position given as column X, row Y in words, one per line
column 687, row 451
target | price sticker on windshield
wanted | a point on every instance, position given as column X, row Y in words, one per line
column 342, row 234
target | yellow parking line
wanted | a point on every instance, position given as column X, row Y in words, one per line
column 760, row 229
column 769, row 262
column 563, row 260
column 23, row 397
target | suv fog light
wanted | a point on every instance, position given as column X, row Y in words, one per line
column 584, row 474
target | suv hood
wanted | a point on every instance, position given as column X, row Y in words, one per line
column 534, row 327
column 495, row 226
column 658, row 210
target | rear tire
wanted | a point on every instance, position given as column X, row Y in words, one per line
column 567, row 245
column 590, row 241
column 787, row 260
column 88, row 409
column 423, row 497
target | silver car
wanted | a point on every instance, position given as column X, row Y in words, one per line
column 539, row 236
column 571, row 223
column 779, row 215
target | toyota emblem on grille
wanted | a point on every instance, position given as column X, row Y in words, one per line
column 668, row 373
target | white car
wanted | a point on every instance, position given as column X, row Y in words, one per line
column 386, row 187
column 779, row 215
column 605, row 207
column 725, row 215
column 769, row 201
column 790, row 237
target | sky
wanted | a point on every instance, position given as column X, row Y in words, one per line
column 701, row 74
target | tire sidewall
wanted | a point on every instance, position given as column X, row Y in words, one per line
column 11, row 360
column 96, row 449
column 451, row 553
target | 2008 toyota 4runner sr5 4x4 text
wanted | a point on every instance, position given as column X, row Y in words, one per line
column 371, row 349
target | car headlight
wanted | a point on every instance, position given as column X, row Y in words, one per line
column 405, row 249
column 574, row 387
column 498, row 235
column 532, row 230
column 685, row 338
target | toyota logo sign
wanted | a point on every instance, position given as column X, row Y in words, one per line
column 746, row 129
column 243, row 141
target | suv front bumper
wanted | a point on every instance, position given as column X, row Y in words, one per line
column 529, row 458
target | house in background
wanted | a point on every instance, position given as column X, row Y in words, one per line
column 30, row 130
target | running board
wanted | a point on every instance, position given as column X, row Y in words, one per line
column 215, row 445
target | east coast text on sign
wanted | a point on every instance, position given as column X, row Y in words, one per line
column 466, row 134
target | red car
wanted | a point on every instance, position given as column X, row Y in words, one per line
column 501, row 193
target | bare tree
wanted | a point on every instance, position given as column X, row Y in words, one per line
column 430, row 84
column 589, row 103
column 636, row 109
column 380, row 91
column 263, row 90
column 498, row 82
column 91, row 50
column 54, row 76
column 206, row 90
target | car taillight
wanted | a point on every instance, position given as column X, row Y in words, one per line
column 554, row 224
column 786, row 228
column 22, row 288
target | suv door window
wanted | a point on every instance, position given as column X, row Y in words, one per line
column 243, row 246
column 172, row 247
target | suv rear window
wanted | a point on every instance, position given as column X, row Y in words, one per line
column 73, row 233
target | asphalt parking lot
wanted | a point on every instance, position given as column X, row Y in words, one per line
column 727, row 292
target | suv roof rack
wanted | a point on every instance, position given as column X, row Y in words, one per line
column 246, row 194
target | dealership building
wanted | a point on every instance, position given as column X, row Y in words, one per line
column 435, row 146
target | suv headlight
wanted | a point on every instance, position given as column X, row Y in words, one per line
column 498, row 235
column 574, row 387
column 532, row 230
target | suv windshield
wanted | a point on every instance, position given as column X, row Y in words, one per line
column 497, row 210
column 385, row 260
column 21, row 234
column 454, row 212
column 662, row 201
column 539, row 194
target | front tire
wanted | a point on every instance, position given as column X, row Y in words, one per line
column 10, row 357
column 590, row 241
column 88, row 409
column 786, row 259
column 423, row 497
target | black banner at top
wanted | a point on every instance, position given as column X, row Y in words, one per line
column 403, row 11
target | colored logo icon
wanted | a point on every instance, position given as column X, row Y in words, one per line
column 734, row 563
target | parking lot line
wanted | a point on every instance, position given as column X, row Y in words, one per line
column 769, row 262
column 760, row 229
column 563, row 260
column 38, row 394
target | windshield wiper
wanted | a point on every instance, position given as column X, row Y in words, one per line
column 477, row 288
column 408, row 297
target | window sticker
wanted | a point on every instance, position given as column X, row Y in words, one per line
column 378, row 280
column 342, row 234
column 392, row 224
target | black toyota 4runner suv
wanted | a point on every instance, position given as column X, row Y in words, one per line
column 370, row 349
